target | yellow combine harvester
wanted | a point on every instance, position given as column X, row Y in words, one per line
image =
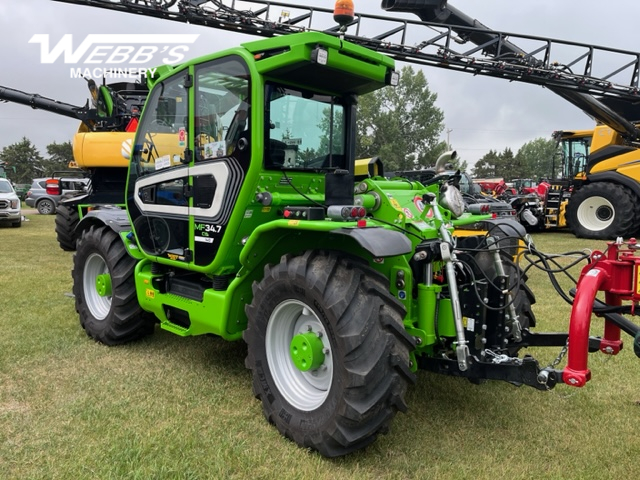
column 602, row 169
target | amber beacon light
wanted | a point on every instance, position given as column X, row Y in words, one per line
column 343, row 12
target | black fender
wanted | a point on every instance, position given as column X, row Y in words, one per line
column 114, row 218
column 615, row 177
column 378, row 241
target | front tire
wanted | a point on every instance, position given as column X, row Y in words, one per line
column 602, row 211
column 67, row 219
column 104, row 289
column 328, row 351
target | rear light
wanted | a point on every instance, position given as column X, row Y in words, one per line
column 346, row 212
column 53, row 187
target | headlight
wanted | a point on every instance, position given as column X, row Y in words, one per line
column 451, row 199
column 15, row 203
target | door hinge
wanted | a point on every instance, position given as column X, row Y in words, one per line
column 188, row 191
column 188, row 81
column 188, row 156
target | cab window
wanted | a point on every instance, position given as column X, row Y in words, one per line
column 163, row 131
column 222, row 107
column 304, row 130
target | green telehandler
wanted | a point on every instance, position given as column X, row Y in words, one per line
column 245, row 217
column 243, row 220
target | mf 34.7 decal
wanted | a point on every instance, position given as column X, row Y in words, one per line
column 204, row 232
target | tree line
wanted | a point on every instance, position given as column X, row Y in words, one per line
column 23, row 161
column 535, row 159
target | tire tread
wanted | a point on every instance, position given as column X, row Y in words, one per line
column 126, row 321
column 375, row 349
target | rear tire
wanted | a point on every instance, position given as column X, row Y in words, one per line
column 349, row 395
column 112, row 316
column 67, row 219
column 602, row 211
column 46, row 207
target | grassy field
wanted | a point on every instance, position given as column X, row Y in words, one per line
column 174, row 408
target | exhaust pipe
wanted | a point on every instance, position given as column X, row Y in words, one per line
column 446, row 157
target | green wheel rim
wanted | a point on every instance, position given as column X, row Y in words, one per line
column 103, row 285
column 307, row 351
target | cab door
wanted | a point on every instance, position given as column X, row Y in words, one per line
column 190, row 158
column 158, row 186
column 222, row 150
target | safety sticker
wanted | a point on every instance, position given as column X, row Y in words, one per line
column 214, row 149
column 163, row 162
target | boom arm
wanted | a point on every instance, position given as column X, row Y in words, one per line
column 114, row 106
column 38, row 102
column 494, row 54
column 496, row 44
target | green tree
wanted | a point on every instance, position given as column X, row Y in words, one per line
column 60, row 156
column 23, row 161
column 505, row 165
column 401, row 125
column 538, row 158
column 330, row 115
column 486, row 166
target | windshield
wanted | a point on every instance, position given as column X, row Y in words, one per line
column 304, row 130
column 5, row 187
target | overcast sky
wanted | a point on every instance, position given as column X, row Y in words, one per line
column 480, row 113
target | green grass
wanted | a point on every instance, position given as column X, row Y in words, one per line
column 170, row 407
